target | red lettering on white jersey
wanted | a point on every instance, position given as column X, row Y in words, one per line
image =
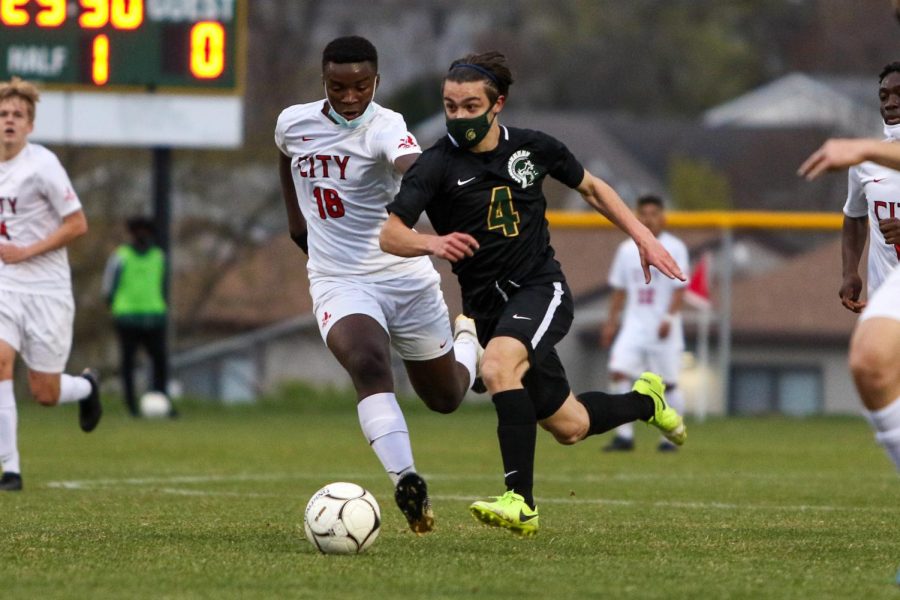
column 307, row 166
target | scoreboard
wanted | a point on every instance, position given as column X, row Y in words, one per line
column 125, row 45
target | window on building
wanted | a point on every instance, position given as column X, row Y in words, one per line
column 758, row 390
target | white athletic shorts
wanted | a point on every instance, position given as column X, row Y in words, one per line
column 885, row 302
column 411, row 309
column 39, row 327
column 632, row 356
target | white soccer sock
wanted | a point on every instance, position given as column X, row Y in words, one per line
column 886, row 423
column 9, row 450
column 73, row 388
column 467, row 355
column 385, row 428
column 625, row 430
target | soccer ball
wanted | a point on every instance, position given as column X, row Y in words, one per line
column 342, row 518
column 155, row 405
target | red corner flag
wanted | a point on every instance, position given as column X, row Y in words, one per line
column 697, row 292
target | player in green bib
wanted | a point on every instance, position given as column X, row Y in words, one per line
column 134, row 285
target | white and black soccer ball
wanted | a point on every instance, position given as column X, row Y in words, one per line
column 342, row 518
column 155, row 405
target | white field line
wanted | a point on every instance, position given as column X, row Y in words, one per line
column 168, row 482
column 183, row 492
column 373, row 475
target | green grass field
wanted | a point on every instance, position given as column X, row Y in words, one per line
column 211, row 506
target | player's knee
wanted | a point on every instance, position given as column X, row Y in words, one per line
column 869, row 365
column 568, row 434
column 565, row 431
column 567, row 439
column 443, row 402
column 369, row 367
column 496, row 374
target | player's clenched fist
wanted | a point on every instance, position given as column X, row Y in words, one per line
column 453, row 246
column 11, row 254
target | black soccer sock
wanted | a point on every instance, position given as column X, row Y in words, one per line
column 517, row 433
column 608, row 411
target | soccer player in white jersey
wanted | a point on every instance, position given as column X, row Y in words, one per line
column 873, row 206
column 39, row 215
column 341, row 163
column 875, row 344
column 650, row 337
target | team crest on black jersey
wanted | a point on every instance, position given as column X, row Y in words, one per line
column 521, row 168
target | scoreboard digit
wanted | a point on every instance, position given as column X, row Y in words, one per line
column 124, row 45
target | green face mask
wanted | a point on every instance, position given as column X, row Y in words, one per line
column 466, row 133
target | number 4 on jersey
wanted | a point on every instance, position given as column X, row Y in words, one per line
column 502, row 214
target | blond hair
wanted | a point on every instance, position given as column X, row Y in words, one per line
column 19, row 88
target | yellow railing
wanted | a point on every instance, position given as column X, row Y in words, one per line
column 712, row 218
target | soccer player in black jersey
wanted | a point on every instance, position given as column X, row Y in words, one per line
column 481, row 188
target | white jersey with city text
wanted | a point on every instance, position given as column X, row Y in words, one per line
column 35, row 196
column 874, row 191
column 343, row 179
column 647, row 303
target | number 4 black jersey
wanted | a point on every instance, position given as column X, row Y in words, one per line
column 497, row 198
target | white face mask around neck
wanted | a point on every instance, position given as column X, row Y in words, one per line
column 359, row 121
column 892, row 132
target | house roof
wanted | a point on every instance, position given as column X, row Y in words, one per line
column 847, row 105
column 760, row 163
column 799, row 299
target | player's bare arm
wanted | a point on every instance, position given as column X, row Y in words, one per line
column 403, row 163
column 296, row 222
column 842, row 153
column 608, row 333
column 398, row 239
column 853, row 240
column 607, row 202
column 73, row 226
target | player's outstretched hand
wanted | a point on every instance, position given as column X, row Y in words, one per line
column 835, row 154
column 453, row 246
column 849, row 293
column 654, row 254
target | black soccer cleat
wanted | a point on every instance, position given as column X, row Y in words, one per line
column 619, row 444
column 89, row 409
column 411, row 496
column 11, row 482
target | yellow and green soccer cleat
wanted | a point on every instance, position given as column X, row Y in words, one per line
column 664, row 418
column 509, row 511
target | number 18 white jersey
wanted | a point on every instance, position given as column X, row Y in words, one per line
column 343, row 179
column 647, row 303
column 874, row 191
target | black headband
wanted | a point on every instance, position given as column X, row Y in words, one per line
column 480, row 69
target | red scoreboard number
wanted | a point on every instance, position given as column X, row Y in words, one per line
column 90, row 30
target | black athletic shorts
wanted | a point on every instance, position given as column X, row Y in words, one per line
column 539, row 316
